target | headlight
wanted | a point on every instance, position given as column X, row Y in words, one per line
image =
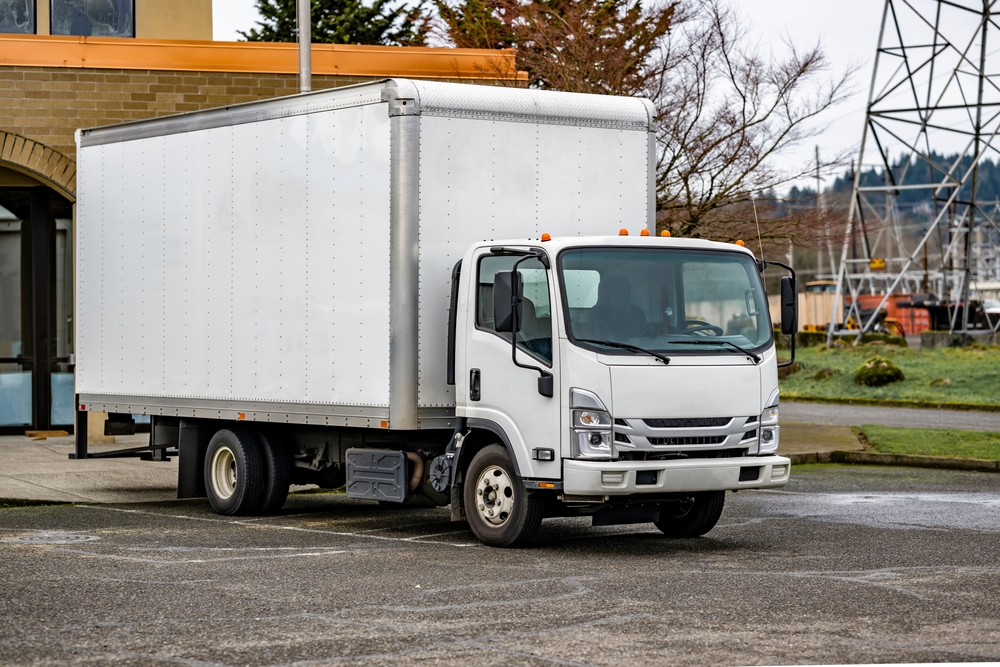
column 768, row 440
column 592, row 435
column 592, row 444
column 591, row 419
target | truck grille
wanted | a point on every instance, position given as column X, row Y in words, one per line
column 673, row 456
column 693, row 440
column 704, row 422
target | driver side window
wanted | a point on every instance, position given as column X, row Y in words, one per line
column 535, row 336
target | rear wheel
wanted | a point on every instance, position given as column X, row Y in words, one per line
column 234, row 477
column 277, row 474
column 500, row 510
column 693, row 518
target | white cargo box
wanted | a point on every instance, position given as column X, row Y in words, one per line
column 291, row 260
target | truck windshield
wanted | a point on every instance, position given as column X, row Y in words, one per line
column 663, row 300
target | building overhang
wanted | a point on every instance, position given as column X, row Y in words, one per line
column 257, row 57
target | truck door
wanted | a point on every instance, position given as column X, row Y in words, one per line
column 497, row 390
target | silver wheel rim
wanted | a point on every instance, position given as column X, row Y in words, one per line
column 224, row 472
column 494, row 496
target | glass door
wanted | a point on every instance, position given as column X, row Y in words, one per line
column 36, row 306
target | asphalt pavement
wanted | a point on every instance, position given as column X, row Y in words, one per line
column 856, row 415
column 846, row 564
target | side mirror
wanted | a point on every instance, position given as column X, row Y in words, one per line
column 789, row 306
column 506, row 286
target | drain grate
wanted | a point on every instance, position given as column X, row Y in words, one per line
column 51, row 538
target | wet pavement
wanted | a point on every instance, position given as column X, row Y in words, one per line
column 847, row 564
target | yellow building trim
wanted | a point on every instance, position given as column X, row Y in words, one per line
column 259, row 57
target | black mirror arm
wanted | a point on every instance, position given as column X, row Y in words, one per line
column 545, row 381
column 795, row 290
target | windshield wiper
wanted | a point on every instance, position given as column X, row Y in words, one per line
column 756, row 357
column 627, row 346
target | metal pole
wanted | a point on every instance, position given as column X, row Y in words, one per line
column 304, row 19
column 967, row 277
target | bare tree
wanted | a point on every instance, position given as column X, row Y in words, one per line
column 725, row 110
column 725, row 107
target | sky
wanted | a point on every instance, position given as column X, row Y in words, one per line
column 847, row 29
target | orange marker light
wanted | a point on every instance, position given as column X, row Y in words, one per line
column 546, row 485
column 242, row 416
column 740, row 243
column 664, row 233
column 622, row 232
column 546, row 237
column 644, row 232
column 384, row 424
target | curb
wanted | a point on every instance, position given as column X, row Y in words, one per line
column 911, row 460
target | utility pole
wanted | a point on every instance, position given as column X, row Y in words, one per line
column 819, row 214
column 304, row 20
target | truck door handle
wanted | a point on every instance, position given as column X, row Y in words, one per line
column 474, row 385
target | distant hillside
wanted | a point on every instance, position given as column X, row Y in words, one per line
column 922, row 171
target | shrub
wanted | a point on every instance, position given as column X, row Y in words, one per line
column 877, row 372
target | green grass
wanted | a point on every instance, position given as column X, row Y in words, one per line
column 933, row 442
column 974, row 375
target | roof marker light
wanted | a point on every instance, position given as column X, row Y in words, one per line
column 740, row 243
column 622, row 232
column 664, row 233
column 546, row 237
column 644, row 232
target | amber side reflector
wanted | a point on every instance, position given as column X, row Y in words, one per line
column 384, row 424
column 664, row 233
column 242, row 416
column 546, row 237
column 546, row 485
column 740, row 243
column 644, row 232
column 622, row 232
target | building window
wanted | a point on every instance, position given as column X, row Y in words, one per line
column 93, row 18
column 17, row 16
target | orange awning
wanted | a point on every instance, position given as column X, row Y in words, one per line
column 258, row 57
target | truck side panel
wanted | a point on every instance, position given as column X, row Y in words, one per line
column 481, row 178
column 262, row 271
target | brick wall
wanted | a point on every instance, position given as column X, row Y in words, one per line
column 49, row 104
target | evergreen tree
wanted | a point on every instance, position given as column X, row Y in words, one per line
column 343, row 22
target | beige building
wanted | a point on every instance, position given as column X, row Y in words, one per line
column 161, row 62
column 142, row 19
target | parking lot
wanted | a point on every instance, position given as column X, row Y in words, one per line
column 827, row 570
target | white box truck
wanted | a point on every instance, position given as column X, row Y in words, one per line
column 423, row 291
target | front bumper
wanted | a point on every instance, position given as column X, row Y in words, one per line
column 600, row 478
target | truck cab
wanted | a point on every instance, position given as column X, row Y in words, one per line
column 633, row 377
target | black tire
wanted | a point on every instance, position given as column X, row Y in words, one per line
column 694, row 519
column 277, row 474
column 234, row 472
column 523, row 509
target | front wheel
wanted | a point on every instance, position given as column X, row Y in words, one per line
column 693, row 518
column 501, row 512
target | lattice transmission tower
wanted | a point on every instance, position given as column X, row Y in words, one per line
column 928, row 225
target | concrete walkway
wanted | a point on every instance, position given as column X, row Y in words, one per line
column 42, row 470
column 856, row 415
